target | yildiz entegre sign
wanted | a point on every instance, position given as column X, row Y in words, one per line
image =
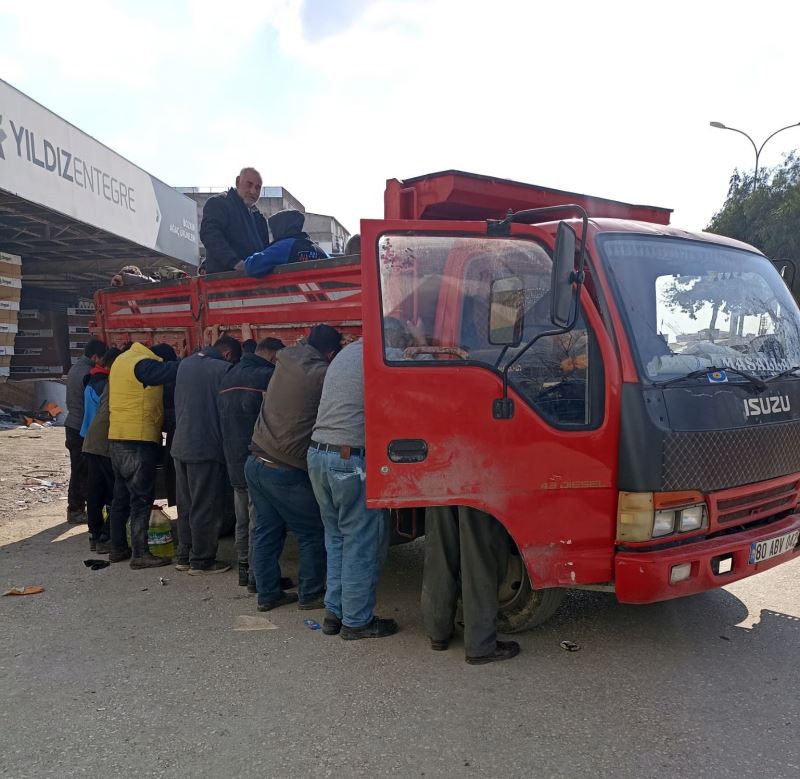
column 48, row 161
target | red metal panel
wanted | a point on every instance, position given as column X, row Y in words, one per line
column 554, row 491
column 454, row 194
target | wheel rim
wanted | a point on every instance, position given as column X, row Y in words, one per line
column 512, row 585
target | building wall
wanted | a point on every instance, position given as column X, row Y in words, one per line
column 327, row 232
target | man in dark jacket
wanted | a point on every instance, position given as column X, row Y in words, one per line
column 277, row 476
column 289, row 244
column 199, row 456
column 232, row 227
column 78, row 475
column 241, row 392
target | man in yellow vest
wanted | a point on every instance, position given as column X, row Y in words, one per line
column 136, row 414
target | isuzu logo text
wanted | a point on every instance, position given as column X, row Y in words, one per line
column 757, row 407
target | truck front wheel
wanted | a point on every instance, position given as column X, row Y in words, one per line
column 520, row 606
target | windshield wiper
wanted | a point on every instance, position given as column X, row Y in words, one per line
column 787, row 372
column 756, row 383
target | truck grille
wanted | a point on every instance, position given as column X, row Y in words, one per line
column 757, row 504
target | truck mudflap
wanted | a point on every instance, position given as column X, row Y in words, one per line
column 647, row 577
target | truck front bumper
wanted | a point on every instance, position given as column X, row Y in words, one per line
column 644, row 577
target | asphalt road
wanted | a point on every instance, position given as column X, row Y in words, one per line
column 109, row 673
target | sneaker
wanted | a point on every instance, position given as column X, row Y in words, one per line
column 103, row 547
column 76, row 517
column 215, row 567
column 504, row 650
column 118, row 556
column 331, row 625
column 149, row 561
column 285, row 599
column 179, row 566
column 244, row 574
column 315, row 603
column 440, row 646
column 377, row 628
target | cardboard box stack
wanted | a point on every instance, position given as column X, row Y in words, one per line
column 39, row 348
column 78, row 321
column 10, row 290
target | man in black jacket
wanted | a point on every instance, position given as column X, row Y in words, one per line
column 198, row 454
column 232, row 227
column 241, row 392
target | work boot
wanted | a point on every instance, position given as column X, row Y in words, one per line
column 377, row 628
column 92, row 544
column 316, row 602
column 103, row 547
column 244, row 573
column 149, row 561
column 76, row 517
column 285, row 599
column 331, row 625
column 440, row 645
column 504, row 650
column 182, row 566
column 215, row 567
column 287, row 583
column 119, row 555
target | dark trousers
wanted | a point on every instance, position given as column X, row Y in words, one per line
column 468, row 547
column 134, row 464
column 100, row 493
column 169, row 470
column 78, row 470
column 283, row 498
column 201, row 491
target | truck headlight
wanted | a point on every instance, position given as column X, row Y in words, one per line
column 643, row 516
column 692, row 518
column 663, row 523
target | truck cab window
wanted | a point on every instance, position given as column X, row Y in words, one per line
column 437, row 292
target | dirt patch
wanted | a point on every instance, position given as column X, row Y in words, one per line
column 35, row 473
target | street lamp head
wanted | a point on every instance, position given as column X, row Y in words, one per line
column 718, row 125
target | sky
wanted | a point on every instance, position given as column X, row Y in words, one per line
column 329, row 98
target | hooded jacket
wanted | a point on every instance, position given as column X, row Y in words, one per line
column 289, row 411
column 289, row 244
column 230, row 231
column 96, row 381
column 241, row 391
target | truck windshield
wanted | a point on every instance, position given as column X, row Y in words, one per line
column 692, row 305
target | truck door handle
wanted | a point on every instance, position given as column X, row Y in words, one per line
column 408, row 450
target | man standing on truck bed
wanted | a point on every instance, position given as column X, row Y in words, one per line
column 232, row 227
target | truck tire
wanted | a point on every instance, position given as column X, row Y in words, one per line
column 520, row 606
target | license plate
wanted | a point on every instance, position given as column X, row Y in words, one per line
column 772, row 547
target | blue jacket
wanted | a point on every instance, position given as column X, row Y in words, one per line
column 96, row 381
column 290, row 244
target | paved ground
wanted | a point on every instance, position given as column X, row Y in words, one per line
column 110, row 673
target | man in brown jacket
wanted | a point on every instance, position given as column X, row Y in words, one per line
column 277, row 475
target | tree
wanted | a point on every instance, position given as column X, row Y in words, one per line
column 766, row 216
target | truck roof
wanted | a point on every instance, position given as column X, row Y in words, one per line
column 455, row 194
column 629, row 226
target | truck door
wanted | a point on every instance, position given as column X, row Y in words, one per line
column 439, row 317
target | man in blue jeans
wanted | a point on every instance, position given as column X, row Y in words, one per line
column 356, row 538
column 277, row 479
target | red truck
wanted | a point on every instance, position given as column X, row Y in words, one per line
column 621, row 394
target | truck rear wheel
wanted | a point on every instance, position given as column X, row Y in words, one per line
column 520, row 606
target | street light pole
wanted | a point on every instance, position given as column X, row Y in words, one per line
column 756, row 149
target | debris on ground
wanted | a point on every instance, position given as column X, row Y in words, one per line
column 96, row 565
column 253, row 622
column 570, row 646
column 31, row 589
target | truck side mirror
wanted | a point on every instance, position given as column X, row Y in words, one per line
column 506, row 311
column 562, row 291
